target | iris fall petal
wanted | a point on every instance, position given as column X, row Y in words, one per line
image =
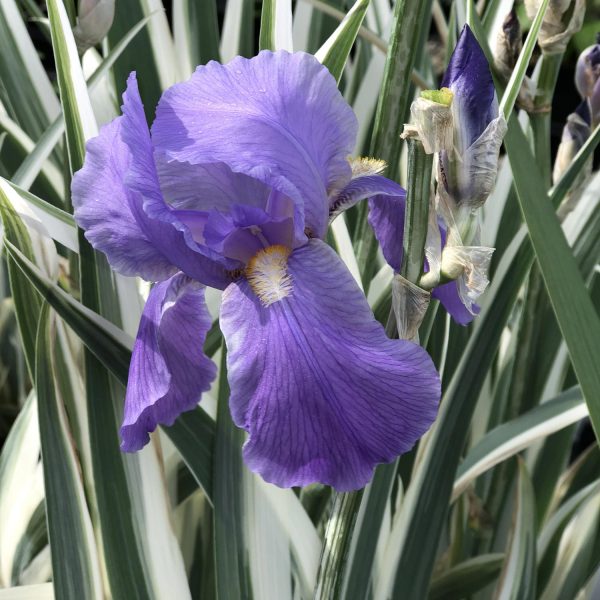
column 321, row 390
column 168, row 370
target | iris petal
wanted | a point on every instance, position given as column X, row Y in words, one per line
column 118, row 201
column 277, row 117
column 363, row 187
column 323, row 393
column 168, row 370
column 209, row 186
column 101, row 204
column 448, row 295
column 386, row 217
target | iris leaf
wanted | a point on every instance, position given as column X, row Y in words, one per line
column 192, row 433
column 516, row 79
column 518, row 579
column 276, row 25
column 20, row 489
column 26, row 91
column 75, row 567
column 27, row 172
column 466, row 578
column 27, row 302
column 39, row 214
column 231, row 560
column 151, row 54
column 196, row 31
column 512, row 437
column 577, row 557
column 575, row 313
column 335, row 51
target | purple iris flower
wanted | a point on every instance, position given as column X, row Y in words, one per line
column 246, row 165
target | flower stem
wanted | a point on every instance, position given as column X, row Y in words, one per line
column 417, row 210
column 336, row 547
column 416, row 216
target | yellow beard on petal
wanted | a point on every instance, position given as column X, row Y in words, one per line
column 364, row 166
column 267, row 274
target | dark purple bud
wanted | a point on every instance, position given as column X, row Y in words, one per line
column 470, row 79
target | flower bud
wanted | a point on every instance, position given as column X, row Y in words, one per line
column 94, row 20
column 587, row 71
column 432, row 117
column 508, row 44
column 468, row 171
column 575, row 133
column 563, row 18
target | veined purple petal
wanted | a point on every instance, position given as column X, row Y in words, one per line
column 102, row 209
column 159, row 222
column 321, row 390
column 386, row 217
column 118, row 202
column 360, row 188
column 168, row 370
column 208, row 186
column 469, row 77
column 448, row 295
column 277, row 117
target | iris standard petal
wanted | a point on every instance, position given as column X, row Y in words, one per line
column 469, row 77
column 277, row 117
column 102, row 209
column 168, row 370
column 209, row 186
column 156, row 219
column 118, row 203
column 321, row 390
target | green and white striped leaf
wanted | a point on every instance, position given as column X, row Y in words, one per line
column 575, row 313
column 80, row 124
column 230, row 545
column 510, row 438
column 196, row 32
column 237, row 36
column 46, row 219
column 516, row 79
column 21, row 485
column 43, row 591
column 466, row 578
column 27, row 172
column 518, row 579
column 75, row 565
column 335, row 51
column 17, row 146
column 26, row 91
column 276, row 25
column 109, row 343
column 576, row 559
